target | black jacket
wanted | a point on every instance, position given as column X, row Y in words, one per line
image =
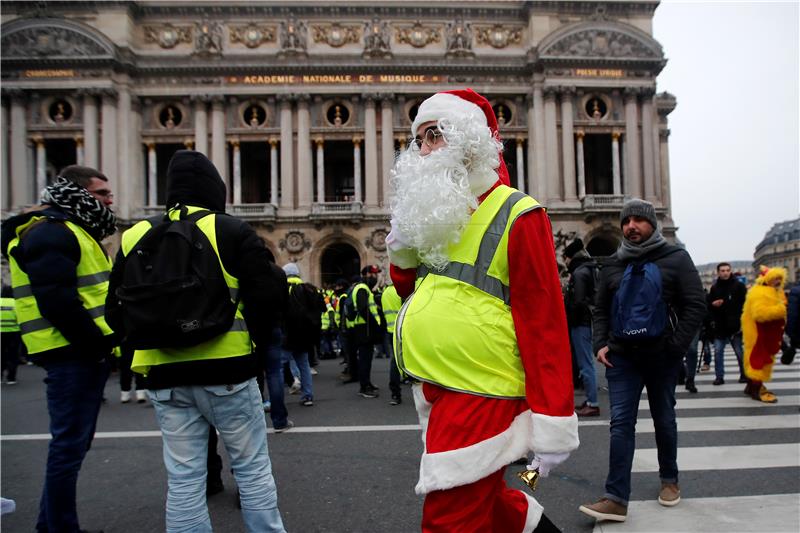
column 682, row 291
column 793, row 316
column 193, row 180
column 727, row 318
column 49, row 254
column 580, row 291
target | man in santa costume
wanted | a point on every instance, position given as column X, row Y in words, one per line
column 484, row 333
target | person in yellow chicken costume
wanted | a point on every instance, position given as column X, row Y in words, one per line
column 763, row 320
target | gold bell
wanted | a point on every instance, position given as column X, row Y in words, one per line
column 530, row 477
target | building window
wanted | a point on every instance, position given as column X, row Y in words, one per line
column 60, row 111
column 254, row 116
column 598, row 163
column 170, row 116
column 338, row 114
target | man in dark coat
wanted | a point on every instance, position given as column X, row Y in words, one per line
column 725, row 303
column 578, row 303
column 654, row 363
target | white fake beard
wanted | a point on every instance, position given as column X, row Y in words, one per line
column 432, row 201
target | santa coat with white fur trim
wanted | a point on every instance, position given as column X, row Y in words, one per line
column 469, row 437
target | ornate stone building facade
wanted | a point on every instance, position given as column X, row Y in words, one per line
column 780, row 247
column 303, row 107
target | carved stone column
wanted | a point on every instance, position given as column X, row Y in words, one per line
column 237, row 171
column 387, row 146
column 581, row 164
column 201, row 124
column 370, row 151
column 218, row 151
column 20, row 178
column 648, row 152
column 304, row 176
column 131, row 178
column 287, row 152
column 633, row 178
column 90, row 153
column 568, row 144
column 520, row 164
column 320, row 169
column 5, row 183
column 109, row 165
column 666, row 198
column 539, row 147
column 615, row 162
column 273, row 171
column 551, row 147
column 152, row 174
column 41, row 164
column 357, row 169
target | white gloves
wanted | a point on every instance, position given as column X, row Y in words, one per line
column 401, row 254
column 545, row 462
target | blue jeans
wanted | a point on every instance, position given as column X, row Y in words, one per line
column 273, row 355
column 300, row 359
column 691, row 358
column 184, row 415
column 719, row 354
column 581, row 338
column 626, row 379
column 74, row 395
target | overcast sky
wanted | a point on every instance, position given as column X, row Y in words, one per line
column 734, row 68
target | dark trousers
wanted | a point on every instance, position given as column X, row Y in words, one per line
column 626, row 379
column 10, row 343
column 74, row 394
column 272, row 365
column 394, row 372
column 364, row 352
column 126, row 375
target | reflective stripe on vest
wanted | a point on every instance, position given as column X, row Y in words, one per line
column 234, row 343
column 373, row 307
column 92, row 272
column 456, row 330
column 8, row 316
column 391, row 303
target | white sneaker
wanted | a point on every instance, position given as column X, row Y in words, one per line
column 295, row 388
column 141, row 396
column 125, row 396
column 314, row 371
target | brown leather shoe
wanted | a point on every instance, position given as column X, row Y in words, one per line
column 670, row 494
column 605, row 509
column 587, row 410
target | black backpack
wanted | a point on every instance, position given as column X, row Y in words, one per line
column 350, row 310
column 303, row 315
column 173, row 293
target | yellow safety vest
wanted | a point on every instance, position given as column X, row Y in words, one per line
column 373, row 307
column 8, row 316
column 234, row 343
column 326, row 321
column 456, row 329
column 38, row 334
column 391, row 303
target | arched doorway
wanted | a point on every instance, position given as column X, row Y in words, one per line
column 339, row 260
column 602, row 246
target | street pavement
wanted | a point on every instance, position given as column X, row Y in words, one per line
column 350, row 464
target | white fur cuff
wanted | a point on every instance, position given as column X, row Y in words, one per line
column 554, row 434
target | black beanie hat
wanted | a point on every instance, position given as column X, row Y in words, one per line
column 639, row 208
column 573, row 248
column 194, row 180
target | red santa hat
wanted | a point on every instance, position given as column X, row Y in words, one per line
column 453, row 104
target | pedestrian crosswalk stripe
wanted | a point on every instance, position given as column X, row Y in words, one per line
column 693, row 402
column 723, row 457
column 715, row 423
column 775, row 513
column 730, row 387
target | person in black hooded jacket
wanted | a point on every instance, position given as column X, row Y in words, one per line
column 725, row 304
column 192, row 390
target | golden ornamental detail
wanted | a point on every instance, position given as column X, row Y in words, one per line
column 336, row 35
column 498, row 36
column 168, row 36
column 418, row 35
column 252, row 35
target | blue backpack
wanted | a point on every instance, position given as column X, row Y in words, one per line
column 638, row 312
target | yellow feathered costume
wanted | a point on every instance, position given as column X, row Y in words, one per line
column 763, row 320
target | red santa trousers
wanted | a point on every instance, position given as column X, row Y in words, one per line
column 469, row 440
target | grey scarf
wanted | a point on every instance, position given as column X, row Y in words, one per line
column 628, row 251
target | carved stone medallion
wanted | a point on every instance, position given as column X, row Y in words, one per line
column 336, row 35
column 499, row 36
column 377, row 240
column 294, row 242
column 168, row 36
column 418, row 35
column 252, row 35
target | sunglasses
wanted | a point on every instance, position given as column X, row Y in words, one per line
column 430, row 137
